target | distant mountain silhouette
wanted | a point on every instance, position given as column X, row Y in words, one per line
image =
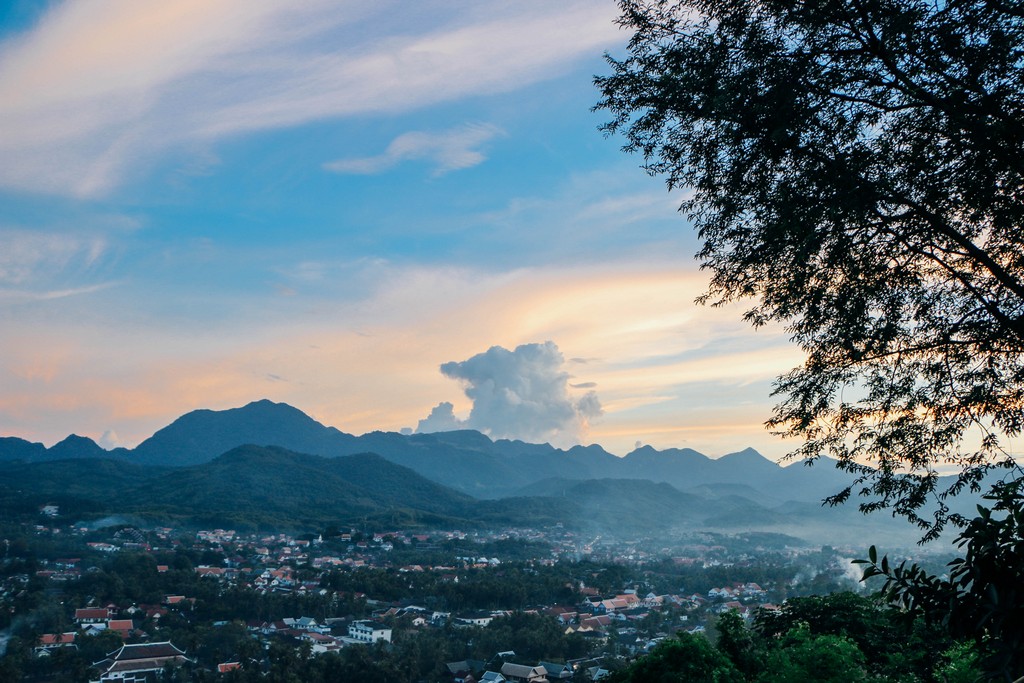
column 202, row 435
column 13, row 448
column 257, row 487
column 75, row 446
column 464, row 460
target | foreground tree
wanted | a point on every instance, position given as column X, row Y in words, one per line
column 686, row 657
column 982, row 597
column 857, row 171
column 840, row 637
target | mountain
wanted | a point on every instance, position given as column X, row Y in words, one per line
column 75, row 446
column 13, row 448
column 466, row 460
column 202, row 435
column 268, row 487
column 273, row 488
column 97, row 479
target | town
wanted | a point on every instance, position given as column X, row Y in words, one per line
column 122, row 601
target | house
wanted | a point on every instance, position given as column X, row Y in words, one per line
column 135, row 663
column 306, row 624
column 321, row 643
column 369, row 632
column 629, row 598
column 557, row 671
column 463, row 670
column 52, row 641
column 123, row 627
column 214, row 572
column 598, row 623
column 225, row 667
column 566, row 615
column 612, row 605
column 475, row 619
column 492, row 677
column 521, row 673
column 733, row 606
column 92, row 615
column 652, row 601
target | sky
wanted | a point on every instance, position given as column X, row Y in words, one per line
column 388, row 215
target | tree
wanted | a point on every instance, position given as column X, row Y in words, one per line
column 687, row 657
column 856, row 169
column 895, row 646
column 982, row 597
column 808, row 658
column 738, row 643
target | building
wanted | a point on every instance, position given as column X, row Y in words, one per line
column 521, row 673
column 52, row 641
column 369, row 632
column 92, row 615
column 136, row 663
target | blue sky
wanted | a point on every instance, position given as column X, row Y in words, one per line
column 204, row 203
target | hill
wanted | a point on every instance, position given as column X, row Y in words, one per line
column 274, row 488
column 464, row 460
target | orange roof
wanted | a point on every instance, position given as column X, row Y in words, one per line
column 92, row 613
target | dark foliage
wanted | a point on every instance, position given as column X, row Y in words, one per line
column 857, row 169
column 983, row 596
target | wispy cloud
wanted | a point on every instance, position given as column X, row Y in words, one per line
column 27, row 255
column 20, row 296
column 100, row 87
column 449, row 150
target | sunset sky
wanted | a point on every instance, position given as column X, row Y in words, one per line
column 344, row 206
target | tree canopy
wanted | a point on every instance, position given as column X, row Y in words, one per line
column 855, row 169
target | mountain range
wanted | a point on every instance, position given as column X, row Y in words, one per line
column 267, row 463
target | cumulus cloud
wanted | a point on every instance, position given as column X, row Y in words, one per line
column 110, row 440
column 518, row 394
column 441, row 419
column 449, row 150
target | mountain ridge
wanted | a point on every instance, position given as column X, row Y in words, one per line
column 271, row 488
column 466, row 460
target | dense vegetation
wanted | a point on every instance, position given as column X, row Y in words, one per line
column 841, row 637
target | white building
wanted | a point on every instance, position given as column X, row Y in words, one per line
column 369, row 632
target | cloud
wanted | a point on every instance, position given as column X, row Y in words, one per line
column 669, row 372
column 20, row 296
column 518, row 394
column 110, row 440
column 441, row 419
column 27, row 254
column 45, row 266
column 98, row 88
column 450, row 150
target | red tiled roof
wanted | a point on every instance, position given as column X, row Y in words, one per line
column 92, row 613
